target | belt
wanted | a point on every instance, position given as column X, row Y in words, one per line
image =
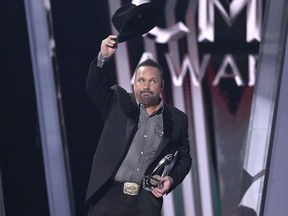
column 129, row 188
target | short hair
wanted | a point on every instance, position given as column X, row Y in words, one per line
column 151, row 63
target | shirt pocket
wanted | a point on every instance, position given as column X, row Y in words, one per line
column 159, row 131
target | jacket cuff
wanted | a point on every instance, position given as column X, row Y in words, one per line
column 101, row 60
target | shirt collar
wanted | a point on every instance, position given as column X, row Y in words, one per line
column 161, row 105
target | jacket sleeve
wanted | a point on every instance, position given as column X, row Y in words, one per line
column 98, row 88
column 183, row 164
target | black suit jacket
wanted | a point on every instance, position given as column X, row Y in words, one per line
column 120, row 114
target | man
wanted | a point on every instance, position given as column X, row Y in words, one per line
column 139, row 130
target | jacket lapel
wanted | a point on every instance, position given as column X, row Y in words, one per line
column 132, row 120
column 168, row 129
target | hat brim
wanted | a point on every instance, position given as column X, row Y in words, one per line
column 142, row 21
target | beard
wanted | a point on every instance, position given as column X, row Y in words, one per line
column 148, row 99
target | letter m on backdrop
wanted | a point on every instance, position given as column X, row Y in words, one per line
column 206, row 19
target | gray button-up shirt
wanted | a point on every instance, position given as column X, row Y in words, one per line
column 143, row 147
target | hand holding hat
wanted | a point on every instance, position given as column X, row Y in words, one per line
column 109, row 46
column 132, row 21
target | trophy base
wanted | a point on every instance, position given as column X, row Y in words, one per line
column 150, row 182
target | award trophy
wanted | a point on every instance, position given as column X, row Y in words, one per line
column 162, row 169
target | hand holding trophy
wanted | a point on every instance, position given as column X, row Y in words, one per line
column 162, row 169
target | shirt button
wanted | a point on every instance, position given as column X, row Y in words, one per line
column 137, row 169
column 141, row 153
column 145, row 135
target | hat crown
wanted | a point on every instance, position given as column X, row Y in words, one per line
column 122, row 16
column 132, row 21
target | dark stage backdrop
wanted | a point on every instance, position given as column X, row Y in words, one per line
column 21, row 165
column 209, row 52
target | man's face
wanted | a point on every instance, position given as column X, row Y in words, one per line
column 148, row 85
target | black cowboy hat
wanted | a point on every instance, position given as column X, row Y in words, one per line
column 132, row 21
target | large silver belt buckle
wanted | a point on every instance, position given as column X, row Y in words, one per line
column 131, row 188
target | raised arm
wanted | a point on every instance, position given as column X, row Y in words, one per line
column 97, row 83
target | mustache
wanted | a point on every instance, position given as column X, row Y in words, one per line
column 146, row 91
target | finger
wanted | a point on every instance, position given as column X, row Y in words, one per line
column 111, row 42
column 157, row 193
column 112, row 37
